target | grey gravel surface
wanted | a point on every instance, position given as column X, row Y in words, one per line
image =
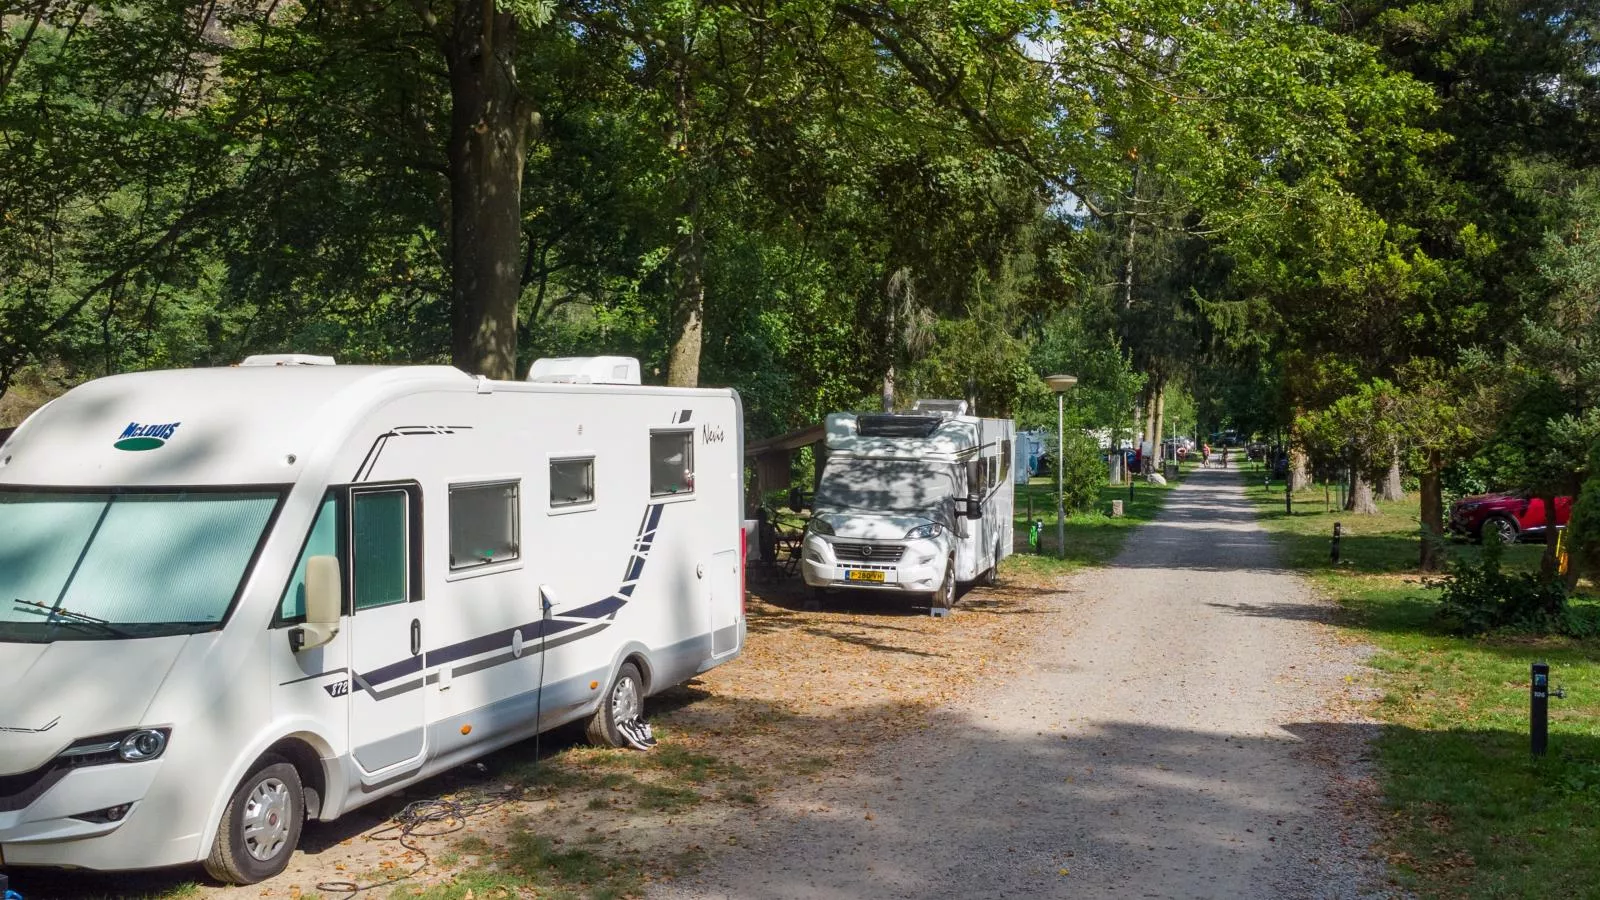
column 1185, row 733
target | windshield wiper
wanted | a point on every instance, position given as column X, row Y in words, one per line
column 57, row 615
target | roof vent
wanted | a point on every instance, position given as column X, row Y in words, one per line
column 897, row 425
column 944, row 407
column 287, row 359
column 586, row 370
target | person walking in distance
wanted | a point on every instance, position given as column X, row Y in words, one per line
column 1205, row 456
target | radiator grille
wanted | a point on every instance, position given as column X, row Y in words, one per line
column 868, row 553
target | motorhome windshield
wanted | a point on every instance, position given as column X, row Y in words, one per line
column 887, row 485
column 97, row 566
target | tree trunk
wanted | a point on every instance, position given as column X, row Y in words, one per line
column 1161, row 420
column 1393, row 490
column 891, row 343
column 1361, row 502
column 1299, row 473
column 1432, row 514
column 1548, row 564
column 488, row 142
column 683, row 365
column 1150, row 418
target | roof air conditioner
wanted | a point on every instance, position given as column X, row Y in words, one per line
column 287, row 359
column 586, row 370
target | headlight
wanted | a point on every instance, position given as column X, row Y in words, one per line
column 132, row 746
column 820, row 526
column 931, row 530
column 142, row 745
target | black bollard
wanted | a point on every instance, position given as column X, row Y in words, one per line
column 1539, row 709
column 1288, row 498
column 1338, row 533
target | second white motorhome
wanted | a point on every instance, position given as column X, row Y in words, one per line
column 913, row 502
column 235, row 599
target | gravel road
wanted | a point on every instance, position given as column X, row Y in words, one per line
column 1186, row 732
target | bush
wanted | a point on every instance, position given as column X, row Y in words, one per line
column 1480, row 596
column 1084, row 474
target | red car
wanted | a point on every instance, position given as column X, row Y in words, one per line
column 1504, row 517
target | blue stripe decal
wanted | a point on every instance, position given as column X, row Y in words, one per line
column 411, row 665
column 601, row 609
column 533, row 631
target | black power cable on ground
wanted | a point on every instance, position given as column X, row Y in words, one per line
column 425, row 818
column 448, row 814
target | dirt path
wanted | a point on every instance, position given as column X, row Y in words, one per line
column 1186, row 733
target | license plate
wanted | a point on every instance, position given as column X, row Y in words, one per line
column 862, row 575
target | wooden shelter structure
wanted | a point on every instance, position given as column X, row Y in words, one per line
column 772, row 457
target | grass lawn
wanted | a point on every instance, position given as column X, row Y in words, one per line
column 1471, row 814
column 1093, row 536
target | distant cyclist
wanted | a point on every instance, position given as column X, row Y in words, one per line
column 1224, row 457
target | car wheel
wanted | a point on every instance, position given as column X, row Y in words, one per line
column 261, row 826
column 1500, row 528
column 624, row 701
column 945, row 597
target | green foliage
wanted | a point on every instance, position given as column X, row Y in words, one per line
column 1083, row 472
column 1479, row 596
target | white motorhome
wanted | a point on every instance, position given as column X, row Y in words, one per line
column 912, row 502
column 234, row 599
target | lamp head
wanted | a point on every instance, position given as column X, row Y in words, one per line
column 1060, row 383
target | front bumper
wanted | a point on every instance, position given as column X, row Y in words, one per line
column 913, row 567
column 46, row 830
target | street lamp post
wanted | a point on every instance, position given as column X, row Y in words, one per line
column 1060, row 384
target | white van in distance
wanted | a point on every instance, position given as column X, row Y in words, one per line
column 234, row 599
column 912, row 502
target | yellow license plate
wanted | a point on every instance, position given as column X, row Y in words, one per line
column 862, row 575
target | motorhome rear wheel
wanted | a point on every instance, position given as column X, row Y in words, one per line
column 261, row 826
column 624, row 701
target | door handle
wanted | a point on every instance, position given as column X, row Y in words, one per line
column 416, row 636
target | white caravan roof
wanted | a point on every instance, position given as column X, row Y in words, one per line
column 942, row 435
column 244, row 425
column 218, row 426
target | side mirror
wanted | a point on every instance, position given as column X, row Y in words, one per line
column 974, row 507
column 324, row 604
column 797, row 499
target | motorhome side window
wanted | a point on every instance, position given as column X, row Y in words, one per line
column 323, row 541
column 671, row 463
column 571, row 482
column 484, row 526
column 380, row 543
column 1005, row 461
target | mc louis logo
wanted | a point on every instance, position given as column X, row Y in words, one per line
column 146, row 437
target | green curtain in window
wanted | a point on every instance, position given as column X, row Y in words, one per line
column 378, row 525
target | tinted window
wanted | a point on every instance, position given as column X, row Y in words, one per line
column 571, row 482
column 379, row 541
column 324, row 541
column 483, row 524
column 671, row 463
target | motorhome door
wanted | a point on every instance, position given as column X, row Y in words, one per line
column 386, row 703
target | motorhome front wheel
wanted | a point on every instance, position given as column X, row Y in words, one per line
column 623, row 702
column 945, row 598
column 261, row 826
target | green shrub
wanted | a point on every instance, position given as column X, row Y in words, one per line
column 1481, row 596
column 1084, row 473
